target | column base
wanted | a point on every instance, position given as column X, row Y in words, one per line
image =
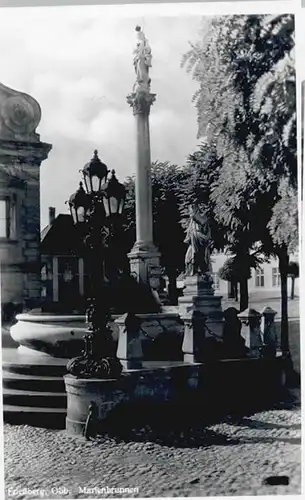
column 145, row 264
column 189, row 358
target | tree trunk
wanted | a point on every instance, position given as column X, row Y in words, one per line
column 231, row 294
column 236, row 291
column 292, row 287
column 232, row 290
column 244, row 295
column 283, row 267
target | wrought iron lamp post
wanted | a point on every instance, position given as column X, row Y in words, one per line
column 95, row 211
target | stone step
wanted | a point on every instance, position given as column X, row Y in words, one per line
column 15, row 362
column 51, row 418
column 24, row 382
column 15, row 397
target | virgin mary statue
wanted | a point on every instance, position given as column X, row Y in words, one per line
column 198, row 237
column 142, row 61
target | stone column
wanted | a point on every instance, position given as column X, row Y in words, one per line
column 21, row 154
column 144, row 257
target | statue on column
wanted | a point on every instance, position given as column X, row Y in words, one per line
column 142, row 61
column 198, row 237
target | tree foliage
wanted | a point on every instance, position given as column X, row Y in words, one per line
column 246, row 103
column 167, row 180
column 246, row 106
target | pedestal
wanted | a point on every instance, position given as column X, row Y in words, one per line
column 202, row 314
column 145, row 265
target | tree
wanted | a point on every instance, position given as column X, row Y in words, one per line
column 293, row 272
column 169, row 235
column 200, row 173
column 227, row 273
column 168, row 232
column 246, row 105
column 208, row 184
column 234, row 270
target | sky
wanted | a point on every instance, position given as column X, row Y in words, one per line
column 77, row 63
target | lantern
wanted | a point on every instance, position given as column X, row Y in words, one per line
column 94, row 174
column 113, row 193
column 79, row 204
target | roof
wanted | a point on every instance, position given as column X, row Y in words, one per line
column 59, row 237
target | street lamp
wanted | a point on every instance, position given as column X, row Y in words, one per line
column 94, row 213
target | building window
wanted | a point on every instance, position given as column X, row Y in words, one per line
column 69, row 272
column 216, row 281
column 7, row 217
column 259, row 278
column 276, row 277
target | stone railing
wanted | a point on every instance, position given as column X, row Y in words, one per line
column 250, row 334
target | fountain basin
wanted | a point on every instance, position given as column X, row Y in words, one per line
column 59, row 336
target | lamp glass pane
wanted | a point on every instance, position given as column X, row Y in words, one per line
column 121, row 205
column 81, row 214
column 95, row 183
column 73, row 214
column 106, row 206
column 87, row 184
column 113, row 205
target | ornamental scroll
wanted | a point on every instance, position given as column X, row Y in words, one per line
column 20, row 115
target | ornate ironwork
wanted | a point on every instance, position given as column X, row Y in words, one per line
column 98, row 359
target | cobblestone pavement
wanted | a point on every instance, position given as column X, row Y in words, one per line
column 228, row 458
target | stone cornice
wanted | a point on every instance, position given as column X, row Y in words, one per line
column 17, row 152
column 141, row 102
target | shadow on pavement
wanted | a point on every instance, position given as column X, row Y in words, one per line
column 257, row 424
column 187, row 426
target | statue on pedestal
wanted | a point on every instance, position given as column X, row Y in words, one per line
column 142, row 62
column 198, row 236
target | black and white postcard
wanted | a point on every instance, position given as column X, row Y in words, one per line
column 150, row 217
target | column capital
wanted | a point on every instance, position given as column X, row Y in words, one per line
column 141, row 101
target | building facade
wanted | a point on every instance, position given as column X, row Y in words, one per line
column 266, row 278
column 21, row 154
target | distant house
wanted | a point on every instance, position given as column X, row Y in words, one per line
column 62, row 269
column 266, row 278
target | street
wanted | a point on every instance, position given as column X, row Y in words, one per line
column 228, row 458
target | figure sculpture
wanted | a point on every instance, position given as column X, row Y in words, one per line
column 198, row 237
column 142, row 61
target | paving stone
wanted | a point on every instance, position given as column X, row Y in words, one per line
column 234, row 458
